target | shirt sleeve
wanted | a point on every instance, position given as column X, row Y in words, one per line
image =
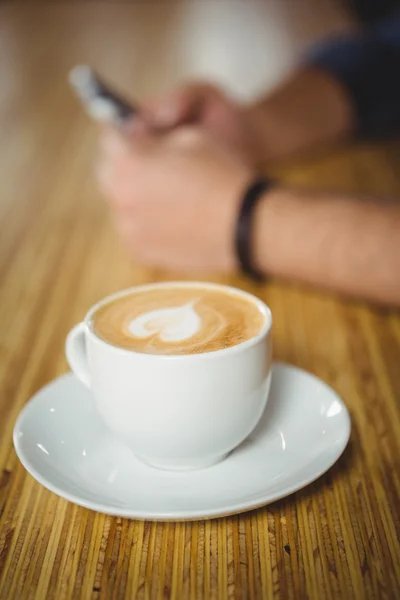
column 368, row 65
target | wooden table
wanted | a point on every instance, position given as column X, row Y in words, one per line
column 338, row 538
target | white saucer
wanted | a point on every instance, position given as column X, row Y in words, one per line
column 62, row 441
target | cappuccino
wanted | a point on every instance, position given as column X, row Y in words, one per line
column 179, row 319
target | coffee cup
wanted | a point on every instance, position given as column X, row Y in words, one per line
column 180, row 372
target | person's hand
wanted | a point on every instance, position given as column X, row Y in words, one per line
column 174, row 197
column 205, row 105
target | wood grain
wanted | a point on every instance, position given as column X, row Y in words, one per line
column 339, row 537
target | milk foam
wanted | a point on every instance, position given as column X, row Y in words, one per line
column 178, row 320
column 175, row 324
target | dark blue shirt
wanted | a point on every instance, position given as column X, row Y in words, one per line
column 368, row 66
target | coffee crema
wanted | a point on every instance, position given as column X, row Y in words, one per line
column 178, row 320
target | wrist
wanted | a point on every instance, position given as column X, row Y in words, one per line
column 246, row 226
column 269, row 228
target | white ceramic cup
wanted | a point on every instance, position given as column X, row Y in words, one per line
column 176, row 412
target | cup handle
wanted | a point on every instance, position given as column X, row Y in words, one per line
column 75, row 350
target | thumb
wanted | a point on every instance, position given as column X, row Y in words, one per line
column 182, row 106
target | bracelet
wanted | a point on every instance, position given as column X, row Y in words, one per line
column 244, row 228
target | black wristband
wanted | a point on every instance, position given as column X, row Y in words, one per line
column 244, row 228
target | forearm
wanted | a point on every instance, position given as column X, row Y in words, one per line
column 348, row 86
column 308, row 110
column 342, row 243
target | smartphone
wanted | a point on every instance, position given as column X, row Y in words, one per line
column 99, row 100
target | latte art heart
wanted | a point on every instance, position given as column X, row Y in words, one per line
column 178, row 320
column 170, row 324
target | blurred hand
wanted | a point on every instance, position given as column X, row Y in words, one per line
column 207, row 106
column 174, row 197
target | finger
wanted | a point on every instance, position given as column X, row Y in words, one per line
column 115, row 182
column 138, row 128
column 184, row 105
column 105, row 176
column 116, row 187
column 113, row 143
column 120, row 148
